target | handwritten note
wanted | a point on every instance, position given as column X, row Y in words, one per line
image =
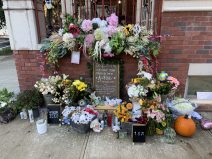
column 106, row 80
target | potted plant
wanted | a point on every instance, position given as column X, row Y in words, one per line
column 7, row 110
column 30, row 100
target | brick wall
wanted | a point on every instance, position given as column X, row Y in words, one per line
column 28, row 68
column 190, row 42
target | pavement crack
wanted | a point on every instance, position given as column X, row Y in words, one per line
column 85, row 144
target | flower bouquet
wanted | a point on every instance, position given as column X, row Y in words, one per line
column 59, row 44
column 80, row 120
column 56, row 87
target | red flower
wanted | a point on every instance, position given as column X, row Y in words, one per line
column 74, row 29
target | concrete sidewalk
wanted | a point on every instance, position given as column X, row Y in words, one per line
column 19, row 140
column 8, row 74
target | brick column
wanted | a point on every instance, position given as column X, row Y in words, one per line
column 26, row 25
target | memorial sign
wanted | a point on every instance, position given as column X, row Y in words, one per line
column 106, row 80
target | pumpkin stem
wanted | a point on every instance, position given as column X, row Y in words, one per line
column 186, row 116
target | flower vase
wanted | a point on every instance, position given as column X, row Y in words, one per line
column 136, row 111
column 24, row 114
column 169, row 135
column 48, row 99
column 150, row 130
column 159, row 131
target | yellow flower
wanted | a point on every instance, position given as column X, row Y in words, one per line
column 163, row 123
column 76, row 82
column 66, row 82
column 141, row 102
column 130, row 27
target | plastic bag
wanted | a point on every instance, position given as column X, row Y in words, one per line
column 181, row 106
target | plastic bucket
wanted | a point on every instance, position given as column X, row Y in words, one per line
column 41, row 126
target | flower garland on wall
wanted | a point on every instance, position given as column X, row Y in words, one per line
column 101, row 39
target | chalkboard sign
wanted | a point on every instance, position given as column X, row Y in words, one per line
column 138, row 132
column 106, row 80
column 53, row 114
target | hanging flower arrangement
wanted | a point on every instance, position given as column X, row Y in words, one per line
column 100, row 39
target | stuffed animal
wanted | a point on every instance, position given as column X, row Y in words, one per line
column 96, row 126
column 95, row 100
column 112, row 102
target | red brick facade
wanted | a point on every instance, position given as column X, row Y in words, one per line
column 190, row 42
column 28, row 68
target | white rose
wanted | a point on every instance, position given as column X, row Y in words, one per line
column 67, row 37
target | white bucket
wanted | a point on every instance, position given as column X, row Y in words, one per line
column 41, row 126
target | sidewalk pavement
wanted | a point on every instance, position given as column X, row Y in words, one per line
column 19, row 140
column 8, row 77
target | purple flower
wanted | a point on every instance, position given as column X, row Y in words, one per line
column 89, row 39
column 111, row 30
column 87, row 25
column 113, row 20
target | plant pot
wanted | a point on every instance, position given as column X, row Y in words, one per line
column 24, row 114
column 41, row 126
column 36, row 113
column 81, row 128
column 7, row 115
column 48, row 99
column 127, row 127
column 150, row 130
column 31, row 119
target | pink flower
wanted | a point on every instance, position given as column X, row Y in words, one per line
column 173, row 81
column 89, row 39
column 87, row 25
column 111, row 30
column 113, row 20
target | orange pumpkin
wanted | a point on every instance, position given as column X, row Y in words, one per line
column 129, row 106
column 185, row 126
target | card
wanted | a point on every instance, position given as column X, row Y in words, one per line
column 75, row 57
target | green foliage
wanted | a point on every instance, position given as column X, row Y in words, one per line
column 5, row 51
column 154, row 46
column 29, row 99
column 163, row 88
column 56, row 52
column 46, row 44
column 117, row 43
column 6, row 96
column 2, row 16
column 6, row 100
